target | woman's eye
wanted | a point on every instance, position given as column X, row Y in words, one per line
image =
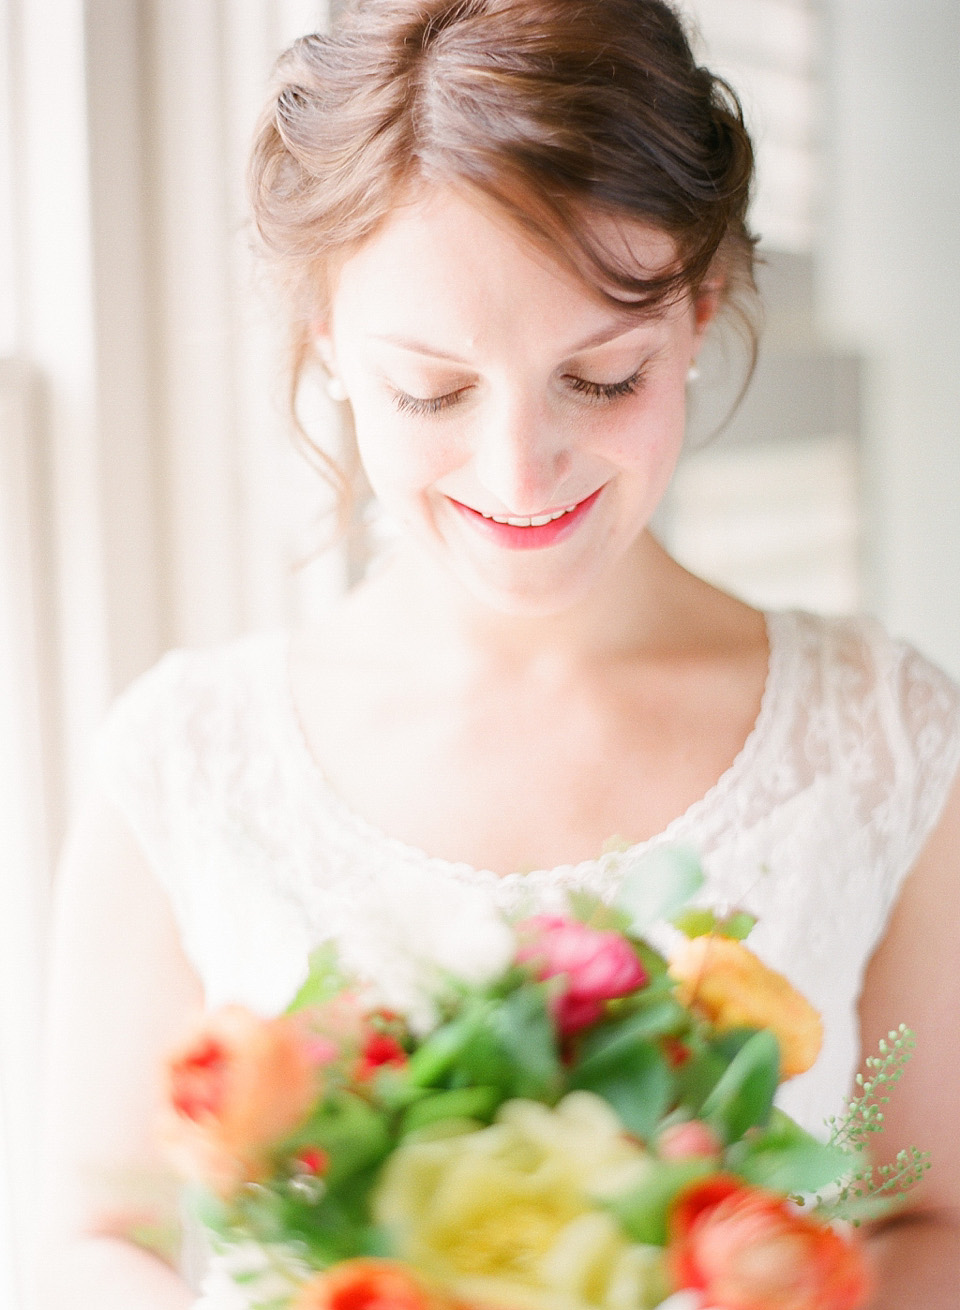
column 607, row 390
column 426, row 405
column 408, row 404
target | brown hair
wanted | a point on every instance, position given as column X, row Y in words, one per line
column 556, row 110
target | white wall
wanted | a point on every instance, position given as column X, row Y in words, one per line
column 770, row 51
column 890, row 286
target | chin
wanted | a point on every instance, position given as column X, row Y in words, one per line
column 527, row 598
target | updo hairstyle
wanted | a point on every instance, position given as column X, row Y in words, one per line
column 556, row 110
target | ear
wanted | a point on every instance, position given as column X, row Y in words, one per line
column 323, row 344
column 706, row 302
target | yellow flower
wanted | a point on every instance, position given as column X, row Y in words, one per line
column 725, row 981
column 505, row 1215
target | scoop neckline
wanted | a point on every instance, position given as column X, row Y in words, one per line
column 776, row 623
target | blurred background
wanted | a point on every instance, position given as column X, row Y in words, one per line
column 150, row 495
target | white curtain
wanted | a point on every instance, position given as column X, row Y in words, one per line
column 149, row 492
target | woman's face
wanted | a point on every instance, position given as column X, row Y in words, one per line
column 489, row 383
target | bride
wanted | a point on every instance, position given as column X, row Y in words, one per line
column 504, row 228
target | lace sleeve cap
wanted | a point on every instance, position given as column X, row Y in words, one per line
column 926, row 705
column 134, row 757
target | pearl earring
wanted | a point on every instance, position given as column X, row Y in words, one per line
column 692, row 373
column 335, row 389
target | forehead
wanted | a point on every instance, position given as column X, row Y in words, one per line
column 451, row 262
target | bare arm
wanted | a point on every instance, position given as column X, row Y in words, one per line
column 914, row 978
column 120, row 991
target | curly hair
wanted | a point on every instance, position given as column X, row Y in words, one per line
column 555, row 110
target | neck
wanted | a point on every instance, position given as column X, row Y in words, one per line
column 418, row 607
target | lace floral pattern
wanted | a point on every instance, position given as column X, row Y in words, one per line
column 812, row 828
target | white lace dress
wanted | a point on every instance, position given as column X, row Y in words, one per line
column 812, row 828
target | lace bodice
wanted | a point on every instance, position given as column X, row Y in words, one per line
column 812, row 828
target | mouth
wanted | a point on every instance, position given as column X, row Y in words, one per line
column 529, row 532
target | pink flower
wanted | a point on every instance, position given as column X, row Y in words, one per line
column 597, row 966
column 690, row 1140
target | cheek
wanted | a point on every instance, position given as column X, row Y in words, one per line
column 649, row 434
column 400, row 457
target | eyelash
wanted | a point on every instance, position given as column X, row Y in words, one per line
column 608, row 390
column 599, row 391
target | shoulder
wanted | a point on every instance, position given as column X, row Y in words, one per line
column 193, row 687
column 173, row 732
column 887, row 716
column 856, row 656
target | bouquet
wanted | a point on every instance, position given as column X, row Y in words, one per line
column 589, row 1127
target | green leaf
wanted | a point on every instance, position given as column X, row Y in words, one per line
column 439, row 1052
column 710, row 1056
column 212, row 1212
column 664, row 1016
column 483, row 1058
column 527, row 1035
column 507, row 1043
column 862, row 1209
column 738, row 926
column 696, row 1079
column 323, row 981
column 694, row 922
column 634, row 1079
column 785, row 1158
column 743, row 1097
column 351, row 1131
column 731, row 1043
column 656, row 967
column 393, row 1090
column 460, row 1103
column 583, row 905
column 594, row 912
column 643, row 1210
column 657, row 885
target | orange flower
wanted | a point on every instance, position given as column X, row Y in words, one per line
column 725, row 981
column 746, row 1249
column 369, row 1285
column 237, row 1085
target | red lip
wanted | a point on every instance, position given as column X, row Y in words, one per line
column 548, row 534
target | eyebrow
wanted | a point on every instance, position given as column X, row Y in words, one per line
column 601, row 338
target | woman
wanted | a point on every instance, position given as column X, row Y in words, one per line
column 504, row 227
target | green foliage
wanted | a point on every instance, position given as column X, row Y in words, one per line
column 864, row 1116
column 657, row 885
column 457, row 1104
column 696, row 922
column 595, row 913
column 324, row 980
column 632, row 1077
column 738, row 925
column 505, row 1042
column 871, row 1191
column 785, row 1158
column 643, row 1210
column 354, row 1133
column 654, row 1061
column 743, row 1097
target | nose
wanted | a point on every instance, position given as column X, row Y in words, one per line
column 522, row 458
